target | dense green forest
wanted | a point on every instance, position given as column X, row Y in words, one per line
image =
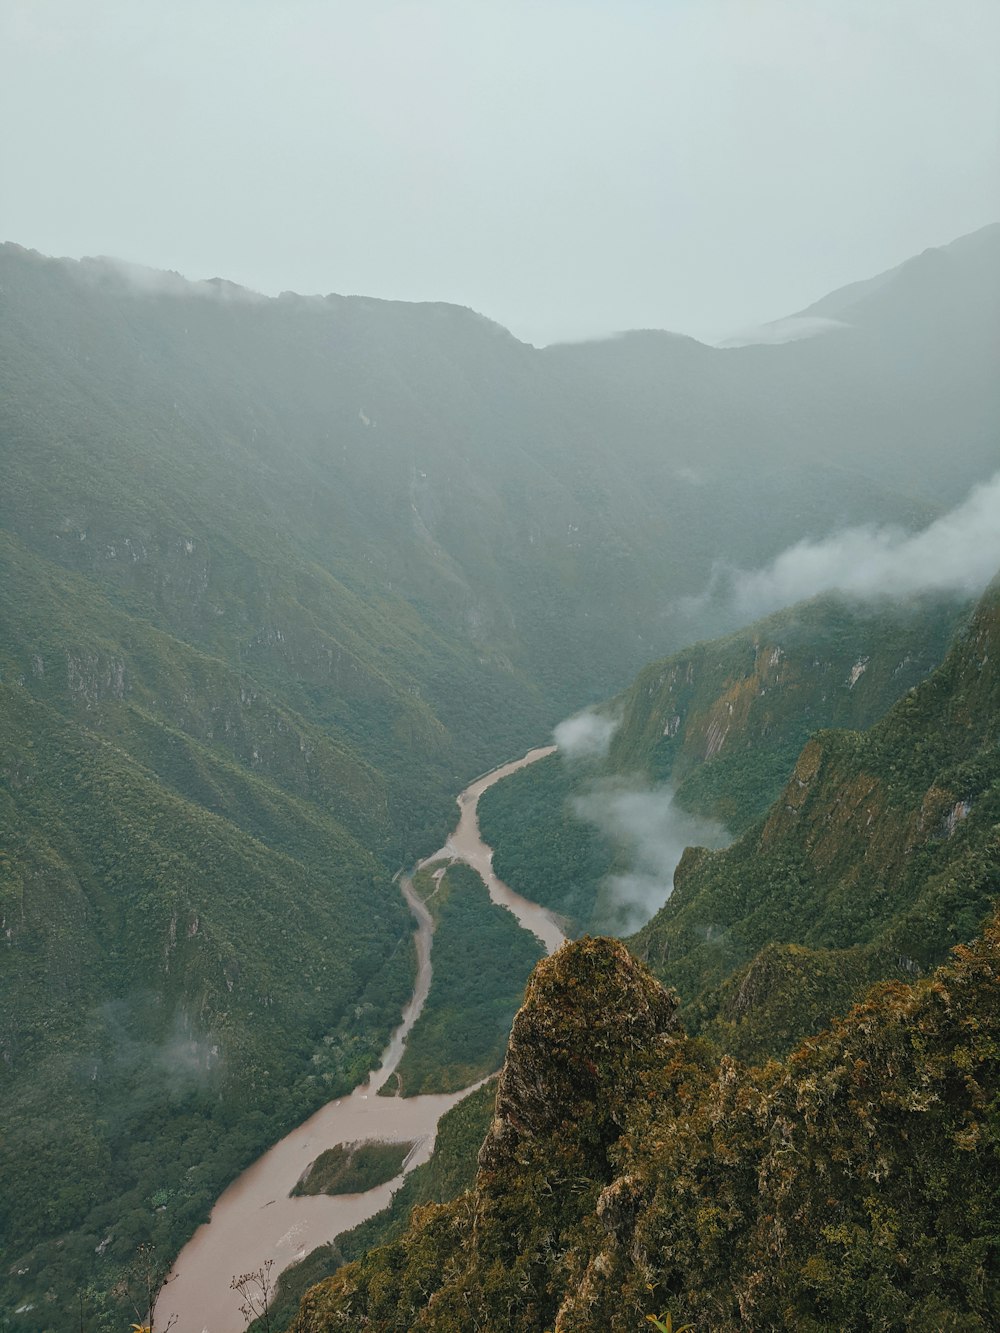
column 629, row 1171
column 451, row 1169
column 721, row 722
column 636, row 1164
column 879, row 855
column 279, row 576
column 352, row 1168
column 482, row 958
column 541, row 847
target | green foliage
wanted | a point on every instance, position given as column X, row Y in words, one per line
column 853, row 1186
column 169, row 1004
column 541, row 848
column 352, row 1168
column 723, row 722
column 255, row 633
column 451, row 1169
column 880, row 855
column 482, row 959
column 664, row 1323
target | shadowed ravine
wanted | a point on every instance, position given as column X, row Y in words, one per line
column 255, row 1219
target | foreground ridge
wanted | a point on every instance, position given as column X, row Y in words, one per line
column 854, row 1185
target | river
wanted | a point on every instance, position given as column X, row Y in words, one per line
column 256, row 1219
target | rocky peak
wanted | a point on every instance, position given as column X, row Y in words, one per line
column 594, row 1019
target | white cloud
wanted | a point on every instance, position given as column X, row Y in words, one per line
column 792, row 329
column 653, row 832
column 102, row 270
column 586, row 735
column 956, row 555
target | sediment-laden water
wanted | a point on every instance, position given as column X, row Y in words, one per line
column 256, row 1219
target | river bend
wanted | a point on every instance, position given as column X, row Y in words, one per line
column 256, row 1219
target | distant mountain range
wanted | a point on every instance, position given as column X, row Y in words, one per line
column 278, row 577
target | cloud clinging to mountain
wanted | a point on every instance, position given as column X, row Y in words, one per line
column 955, row 555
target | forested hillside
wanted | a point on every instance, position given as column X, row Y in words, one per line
column 635, row 1167
column 628, row 1172
column 879, row 855
column 278, row 577
column 721, row 724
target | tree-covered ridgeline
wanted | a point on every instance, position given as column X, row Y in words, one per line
column 635, row 1166
column 482, row 959
column 853, row 1186
column 721, row 724
column 280, row 576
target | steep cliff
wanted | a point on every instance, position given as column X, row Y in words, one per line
column 593, row 1025
column 277, row 575
column 855, row 1183
column 722, row 722
column 854, row 1186
column 879, row 855
column 725, row 720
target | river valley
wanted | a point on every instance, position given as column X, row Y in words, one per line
column 256, row 1220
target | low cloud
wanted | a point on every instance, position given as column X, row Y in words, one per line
column 652, row 833
column 586, row 735
column 956, row 555
column 137, row 279
column 792, row 329
column 182, row 1057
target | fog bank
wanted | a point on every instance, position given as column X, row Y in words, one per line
column 652, row 832
column 956, row 555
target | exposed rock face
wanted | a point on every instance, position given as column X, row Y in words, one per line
column 879, row 855
column 594, row 1025
column 722, row 720
column 855, row 1186
column 592, row 1021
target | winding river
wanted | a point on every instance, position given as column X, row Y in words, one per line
column 256, row 1219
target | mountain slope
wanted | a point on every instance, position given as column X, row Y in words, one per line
column 882, row 844
column 722, row 722
column 478, row 492
column 854, row 1186
column 277, row 577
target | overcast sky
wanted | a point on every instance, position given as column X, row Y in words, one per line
column 567, row 167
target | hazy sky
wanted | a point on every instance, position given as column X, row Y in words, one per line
column 568, row 167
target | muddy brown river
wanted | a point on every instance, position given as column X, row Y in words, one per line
column 255, row 1219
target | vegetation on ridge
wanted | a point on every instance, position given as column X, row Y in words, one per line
column 278, row 577
column 482, row 959
column 451, row 1169
column 853, row 1186
column 879, row 855
column 856, row 1182
column 722, row 722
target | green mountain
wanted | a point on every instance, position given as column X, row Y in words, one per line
column 629, row 1173
column 277, row 577
column 722, row 722
column 879, row 855
column 631, row 1170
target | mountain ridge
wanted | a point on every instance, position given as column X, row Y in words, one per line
column 632, row 1167
column 279, row 576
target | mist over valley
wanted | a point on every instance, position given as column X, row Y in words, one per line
column 499, row 786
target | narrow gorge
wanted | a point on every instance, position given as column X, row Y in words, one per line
column 258, row 1219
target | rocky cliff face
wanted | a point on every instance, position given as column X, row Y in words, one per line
column 627, row 1171
column 855, row 1184
column 724, row 720
column 593, row 1026
column 878, row 856
column 723, row 723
